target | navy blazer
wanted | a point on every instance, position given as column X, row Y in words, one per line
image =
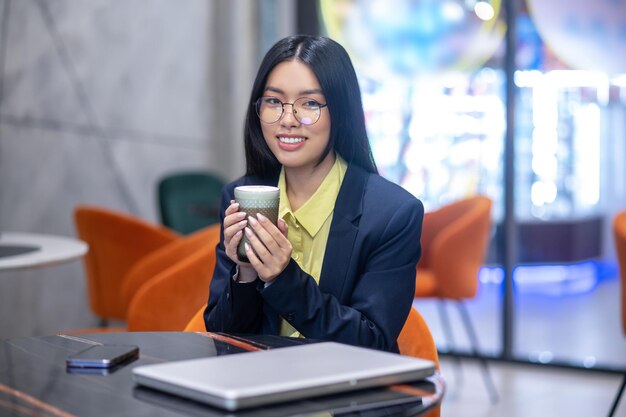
column 367, row 282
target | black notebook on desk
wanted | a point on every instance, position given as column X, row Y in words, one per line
column 259, row 378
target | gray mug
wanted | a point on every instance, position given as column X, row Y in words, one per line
column 254, row 199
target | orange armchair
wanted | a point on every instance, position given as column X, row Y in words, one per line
column 116, row 241
column 169, row 285
column 455, row 239
column 619, row 234
column 454, row 243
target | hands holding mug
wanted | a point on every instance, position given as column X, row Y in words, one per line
column 253, row 237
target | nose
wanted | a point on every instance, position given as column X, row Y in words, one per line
column 289, row 117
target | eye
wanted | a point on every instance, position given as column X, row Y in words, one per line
column 272, row 101
column 310, row 104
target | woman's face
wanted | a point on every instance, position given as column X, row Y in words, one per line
column 294, row 144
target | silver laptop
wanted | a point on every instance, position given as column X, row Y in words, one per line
column 258, row 378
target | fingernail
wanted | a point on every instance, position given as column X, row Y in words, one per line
column 246, row 246
column 241, row 214
column 248, row 232
column 252, row 220
column 243, row 222
column 238, row 234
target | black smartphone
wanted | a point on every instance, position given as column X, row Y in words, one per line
column 102, row 356
column 94, row 371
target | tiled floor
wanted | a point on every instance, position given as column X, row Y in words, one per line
column 529, row 391
column 567, row 327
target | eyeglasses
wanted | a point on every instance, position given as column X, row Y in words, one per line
column 306, row 110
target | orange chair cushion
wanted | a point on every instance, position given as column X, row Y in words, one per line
column 425, row 283
column 416, row 340
column 196, row 324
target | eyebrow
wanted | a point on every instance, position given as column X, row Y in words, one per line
column 279, row 91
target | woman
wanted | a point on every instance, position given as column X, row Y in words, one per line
column 340, row 264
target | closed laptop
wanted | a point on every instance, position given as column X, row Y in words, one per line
column 259, row 378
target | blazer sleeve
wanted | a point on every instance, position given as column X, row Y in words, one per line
column 375, row 301
column 232, row 307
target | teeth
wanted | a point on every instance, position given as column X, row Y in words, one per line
column 290, row 140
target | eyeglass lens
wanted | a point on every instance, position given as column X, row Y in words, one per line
column 305, row 110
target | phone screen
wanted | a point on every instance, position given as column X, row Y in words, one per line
column 103, row 356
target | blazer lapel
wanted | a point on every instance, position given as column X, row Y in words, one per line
column 343, row 231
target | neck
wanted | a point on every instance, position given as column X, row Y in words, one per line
column 303, row 182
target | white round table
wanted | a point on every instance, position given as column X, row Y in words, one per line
column 27, row 250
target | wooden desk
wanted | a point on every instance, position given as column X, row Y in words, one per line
column 34, row 380
column 26, row 250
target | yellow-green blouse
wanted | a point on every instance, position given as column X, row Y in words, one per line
column 310, row 224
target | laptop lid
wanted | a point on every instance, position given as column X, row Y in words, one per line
column 258, row 378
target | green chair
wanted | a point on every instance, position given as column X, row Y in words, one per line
column 189, row 201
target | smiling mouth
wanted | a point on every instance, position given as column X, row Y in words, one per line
column 291, row 140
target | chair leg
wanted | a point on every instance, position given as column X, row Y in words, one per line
column 103, row 323
column 489, row 384
column 617, row 398
column 450, row 343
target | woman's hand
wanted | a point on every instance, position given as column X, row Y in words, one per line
column 234, row 224
column 269, row 250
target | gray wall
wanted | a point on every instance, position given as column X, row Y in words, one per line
column 101, row 98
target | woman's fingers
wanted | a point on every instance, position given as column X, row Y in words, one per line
column 282, row 226
column 254, row 260
column 266, row 270
column 258, row 246
column 234, row 223
column 233, row 228
column 263, row 235
column 269, row 233
column 232, row 208
column 232, row 215
column 272, row 250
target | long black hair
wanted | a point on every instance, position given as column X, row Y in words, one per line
column 331, row 64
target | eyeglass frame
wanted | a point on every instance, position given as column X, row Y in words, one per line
column 282, row 113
